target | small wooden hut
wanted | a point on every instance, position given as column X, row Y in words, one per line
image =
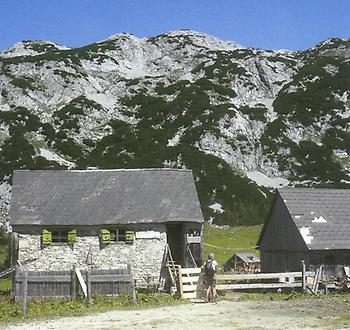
column 242, row 262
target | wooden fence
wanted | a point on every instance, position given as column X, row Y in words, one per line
column 262, row 280
column 67, row 284
column 191, row 282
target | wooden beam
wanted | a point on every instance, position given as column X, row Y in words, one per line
column 88, row 288
column 181, row 288
column 24, row 295
column 189, row 287
column 303, row 276
column 81, row 281
column 192, row 279
column 73, row 285
column 191, row 270
column 258, row 286
column 261, row 276
column 46, row 278
column 110, row 278
column 190, row 295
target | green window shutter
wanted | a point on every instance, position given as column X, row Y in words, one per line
column 129, row 236
column 72, row 236
column 105, row 236
column 46, row 237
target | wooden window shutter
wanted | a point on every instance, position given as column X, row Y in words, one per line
column 129, row 236
column 46, row 237
column 72, row 236
column 105, row 236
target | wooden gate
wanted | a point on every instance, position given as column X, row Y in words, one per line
column 189, row 282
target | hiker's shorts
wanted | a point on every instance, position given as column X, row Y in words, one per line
column 210, row 281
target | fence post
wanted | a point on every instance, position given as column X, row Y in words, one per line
column 181, row 288
column 303, row 270
column 132, row 284
column 15, row 284
column 73, row 284
column 133, row 290
column 88, row 287
column 25, row 294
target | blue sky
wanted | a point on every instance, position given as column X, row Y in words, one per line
column 267, row 24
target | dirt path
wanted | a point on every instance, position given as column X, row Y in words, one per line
column 295, row 314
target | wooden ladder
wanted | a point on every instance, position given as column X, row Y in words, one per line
column 316, row 282
column 171, row 268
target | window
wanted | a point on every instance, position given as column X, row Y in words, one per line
column 58, row 236
column 116, row 235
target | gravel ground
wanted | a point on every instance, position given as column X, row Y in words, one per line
column 330, row 313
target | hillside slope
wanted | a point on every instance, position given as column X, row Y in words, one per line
column 244, row 120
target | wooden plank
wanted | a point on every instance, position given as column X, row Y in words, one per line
column 258, row 286
column 260, row 276
column 190, row 295
column 194, row 239
column 47, row 278
column 317, row 279
column 303, row 276
column 192, row 279
column 88, row 288
column 24, row 295
column 81, row 281
column 181, row 290
column 186, row 271
column 188, row 287
column 110, row 278
column 133, row 292
column 73, row 285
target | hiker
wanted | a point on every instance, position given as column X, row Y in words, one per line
column 209, row 277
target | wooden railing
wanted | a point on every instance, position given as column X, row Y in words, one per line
column 262, row 280
column 190, row 283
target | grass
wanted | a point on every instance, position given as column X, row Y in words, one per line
column 268, row 296
column 225, row 241
column 342, row 321
column 3, row 253
column 5, row 284
column 48, row 308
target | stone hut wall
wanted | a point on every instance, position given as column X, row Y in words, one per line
column 145, row 254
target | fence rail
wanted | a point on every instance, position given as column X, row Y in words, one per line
column 191, row 281
column 263, row 280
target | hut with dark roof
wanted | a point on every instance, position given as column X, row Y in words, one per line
column 307, row 224
column 242, row 262
column 104, row 219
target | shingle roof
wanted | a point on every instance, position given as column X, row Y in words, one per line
column 321, row 215
column 73, row 197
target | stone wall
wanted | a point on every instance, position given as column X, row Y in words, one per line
column 145, row 254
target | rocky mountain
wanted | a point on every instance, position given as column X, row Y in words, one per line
column 244, row 120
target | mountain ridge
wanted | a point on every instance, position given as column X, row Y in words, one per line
column 242, row 119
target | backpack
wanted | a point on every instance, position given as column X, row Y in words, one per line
column 209, row 269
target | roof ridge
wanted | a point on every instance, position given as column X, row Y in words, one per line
column 312, row 189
